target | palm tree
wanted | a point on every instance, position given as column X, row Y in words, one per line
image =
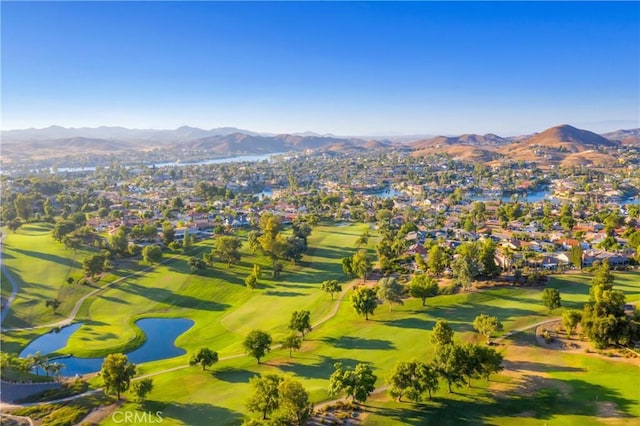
column 55, row 368
column 36, row 361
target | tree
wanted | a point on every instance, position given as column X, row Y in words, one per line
column 152, row 254
column 487, row 258
column 293, row 248
column 570, row 319
column 196, row 264
column 551, row 298
column 118, row 241
column 331, row 287
column 575, row 255
column 486, row 325
column 423, row 286
column 23, row 207
column 602, row 281
column 257, row 271
column 228, row 249
column 442, row 334
column 389, row 290
column 361, row 264
column 205, row 357
column 38, row 361
column 292, row 341
column 412, row 378
column 62, row 228
column 14, row 224
column 363, row 239
column 142, row 388
column 364, row 301
column 257, row 344
column 94, row 265
column 54, row 368
column 54, row 304
column 187, row 241
column 252, row 239
column 490, row 361
column 265, row 398
column 294, row 402
column 437, row 259
column 449, row 363
column 357, row 384
column 251, row 281
column 462, row 270
column 116, row 373
column 347, row 266
column 300, row 321
column 168, row 233
column 301, row 230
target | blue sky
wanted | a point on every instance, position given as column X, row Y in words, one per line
column 343, row 68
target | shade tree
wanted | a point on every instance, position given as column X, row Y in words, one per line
column 357, row 383
column 423, row 286
column 364, row 301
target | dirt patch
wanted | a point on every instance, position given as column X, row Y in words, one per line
column 101, row 413
column 553, row 336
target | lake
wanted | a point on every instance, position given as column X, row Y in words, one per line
column 161, row 334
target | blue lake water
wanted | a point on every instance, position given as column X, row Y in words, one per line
column 530, row 197
column 222, row 160
column 160, row 344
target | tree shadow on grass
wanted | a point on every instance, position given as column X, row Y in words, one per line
column 350, row 342
column 50, row 257
column 535, row 397
column 233, row 375
column 320, row 370
column 538, row 366
column 411, row 322
column 195, row 413
column 283, row 293
column 466, row 313
column 161, row 295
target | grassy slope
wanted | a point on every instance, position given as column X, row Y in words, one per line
column 41, row 266
column 385, row 339
column 224, row 311
column 550, row 387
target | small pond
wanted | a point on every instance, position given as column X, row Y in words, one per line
column 160, row 344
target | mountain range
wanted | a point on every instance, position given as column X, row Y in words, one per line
column 562, row 144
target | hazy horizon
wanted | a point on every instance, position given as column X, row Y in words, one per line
column 362, row 69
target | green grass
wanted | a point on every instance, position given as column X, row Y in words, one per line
column 224, row 311
column 66, row 413
column 552, row 387
column 41, row 266
column 219, row 303
column 388, row 337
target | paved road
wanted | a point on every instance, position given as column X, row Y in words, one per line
column 14, row 292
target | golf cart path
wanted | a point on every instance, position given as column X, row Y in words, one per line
column 71, row 317
column 334, row 311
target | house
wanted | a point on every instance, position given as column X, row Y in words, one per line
column 416, row 249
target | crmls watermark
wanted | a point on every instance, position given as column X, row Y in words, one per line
column 137, row 417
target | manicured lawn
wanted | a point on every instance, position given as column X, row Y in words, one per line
column 549, row 386
column 404, row 334
column 41, row 266
column 540, row 386
column 222, row 307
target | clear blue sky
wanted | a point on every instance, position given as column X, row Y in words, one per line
column 345, row 68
